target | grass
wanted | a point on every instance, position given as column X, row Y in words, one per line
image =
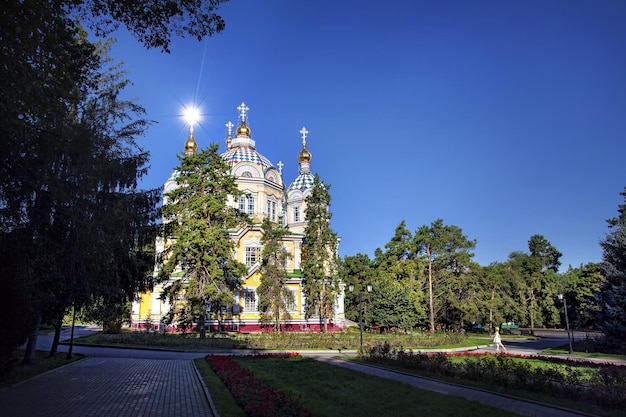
column 43, row 363
column 286, row 340
column 331, row 391
column 580, row 350
column 546, row 397
column 224, row 402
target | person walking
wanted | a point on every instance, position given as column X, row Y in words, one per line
column 498, row 341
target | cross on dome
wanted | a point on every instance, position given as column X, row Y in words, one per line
column 230, row 126
column 242, row 111
column 280, row 167
column 304, row 133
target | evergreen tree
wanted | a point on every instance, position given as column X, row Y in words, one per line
column 447, row 253
column 358, row 271
column 612, row 299
column 319, row 260
column 274, row 297
column 397, row 299
column 199, row 218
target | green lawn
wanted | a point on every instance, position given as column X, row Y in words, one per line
column 331, row 391
column 43, row 363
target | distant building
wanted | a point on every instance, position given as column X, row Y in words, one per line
column 265, row 195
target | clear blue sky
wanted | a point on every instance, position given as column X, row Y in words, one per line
column 505, row 118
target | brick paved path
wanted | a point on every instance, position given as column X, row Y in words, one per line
column 107, row 387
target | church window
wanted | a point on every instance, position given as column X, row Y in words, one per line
column 246, row 204
column 290, row 299
column 246, row 174
column 271, row 210
column 253, row 255
column 249, row 299
column 296, row 214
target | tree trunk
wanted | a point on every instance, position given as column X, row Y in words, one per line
column 57, row 334
column 29, row 352
column 493, row 295
column 201, row 325
column 431, row 306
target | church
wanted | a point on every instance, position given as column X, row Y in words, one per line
column 264, row 194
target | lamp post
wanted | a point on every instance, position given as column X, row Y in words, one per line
column 369, row 289
column 569, row 339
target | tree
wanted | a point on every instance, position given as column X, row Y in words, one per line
column 48, row 78
column 319, row 260
column 151, row 22
column 358, row 271
column 397, row 297
column 581, row 287
column 274, row 297
column 447, row 253
column 199, row 218
column 612, row 299
column 537, row 273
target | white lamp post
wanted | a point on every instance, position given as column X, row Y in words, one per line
column 569, row 339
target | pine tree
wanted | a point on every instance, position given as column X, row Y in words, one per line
column 274, row 297
column 319, row 260
column 612, row 298
column 199, row 218
column 447, row 252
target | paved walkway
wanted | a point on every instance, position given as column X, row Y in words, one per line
column 105, row 387
column 142, row 383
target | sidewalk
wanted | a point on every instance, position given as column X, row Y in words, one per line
column 105, row 387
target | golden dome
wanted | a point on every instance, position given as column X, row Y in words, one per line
column 243, row 129
column 304, row 155
column 191, row 146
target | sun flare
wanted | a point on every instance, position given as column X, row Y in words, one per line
column 191, row 114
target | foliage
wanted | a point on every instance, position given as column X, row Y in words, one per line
column 152, row 23
column 199, row 218
column 604, row 386
column 274, row 297
column 70, row 168
column 538, row 282
column 256, row 397
column 319, row 258
column 612, row 298
column 447, row 253
column 581, row 287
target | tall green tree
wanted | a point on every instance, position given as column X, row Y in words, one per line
column 447, row 255
column 319, row 260
column 198, row 218
column 581, row 288
column 612, row 299
column 537, row 272
column 274, row 296
column 358, row 271
column 397, row 299
column 72, row 181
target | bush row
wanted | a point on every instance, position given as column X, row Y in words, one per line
column 605, row 386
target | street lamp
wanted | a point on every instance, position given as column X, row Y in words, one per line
column 569, row 339
column 369, row 289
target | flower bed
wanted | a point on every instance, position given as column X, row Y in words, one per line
column 253, row 395
column 604, row 384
